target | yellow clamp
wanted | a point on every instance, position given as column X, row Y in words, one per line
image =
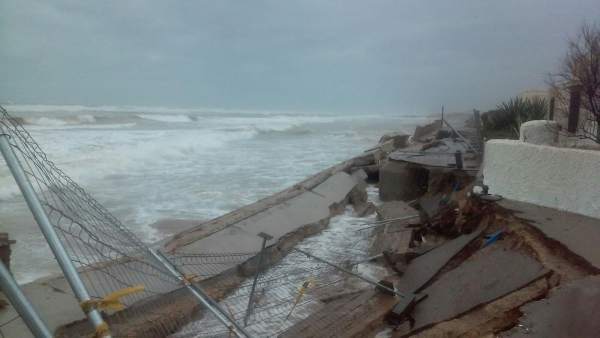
column 112, row 301
column 189, row 279
column 305, row 286
column 102, row 331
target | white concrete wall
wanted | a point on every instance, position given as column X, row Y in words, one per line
column 561, row 178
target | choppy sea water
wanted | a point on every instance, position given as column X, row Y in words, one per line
column 150, row 164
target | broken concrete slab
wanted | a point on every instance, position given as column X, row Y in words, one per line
column 394, row 236
column 395, row 209
column 400, row 140
column 307, row 208
column 350, row 316
column 489, row 318
column 570, row 311
column 205, row 229
column 423, row 268
column 578, row 233
column 427, row 131
column 489, row 274
column 55, row 305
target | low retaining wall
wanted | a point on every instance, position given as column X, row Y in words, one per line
column 561, row 178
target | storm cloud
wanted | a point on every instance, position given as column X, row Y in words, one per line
column 343, row 56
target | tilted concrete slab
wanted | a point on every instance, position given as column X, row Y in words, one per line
column 394, row 236
column 578, row 233
column 395, row 209
column 57, row 306
column 53, row 300
column 307, row 208
column 202, row 230
column 570, row 311
column 423, row 268
column 489, row 274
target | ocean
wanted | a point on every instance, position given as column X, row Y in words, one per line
column 151, row 164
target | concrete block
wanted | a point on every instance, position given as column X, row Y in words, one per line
column 539, row 132
column 387, row 146
column 401, row 181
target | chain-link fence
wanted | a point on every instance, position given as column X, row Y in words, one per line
column 136, row 292
column 319, row 269
column 143, row 292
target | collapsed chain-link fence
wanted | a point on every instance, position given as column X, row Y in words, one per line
column 141, row 297
column 297, row 285
column 138, row 295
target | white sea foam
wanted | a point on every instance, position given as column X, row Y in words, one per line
column 166, row 117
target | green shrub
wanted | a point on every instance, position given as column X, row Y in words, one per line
column 506, row 120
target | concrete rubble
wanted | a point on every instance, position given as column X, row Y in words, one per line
column 471, row 265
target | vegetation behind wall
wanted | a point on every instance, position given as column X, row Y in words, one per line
column 506, row 119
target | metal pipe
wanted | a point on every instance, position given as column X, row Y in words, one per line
column 386, row 221
column 250, row 307
column 366, row 279
column 201, row 296
column 64, row 261
column 21, row 304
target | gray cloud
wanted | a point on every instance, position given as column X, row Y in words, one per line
column 357, row 56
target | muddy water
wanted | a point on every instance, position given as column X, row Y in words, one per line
column 279, row 288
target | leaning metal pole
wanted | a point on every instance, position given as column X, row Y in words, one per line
column 21, row 304
column 250, row 307
column 66, row 265
column 201, row 296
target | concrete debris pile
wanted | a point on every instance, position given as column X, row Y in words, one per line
column 466, row 263
column 464, row 267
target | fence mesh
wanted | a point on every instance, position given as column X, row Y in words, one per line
column 109, row 256
column 298, row 285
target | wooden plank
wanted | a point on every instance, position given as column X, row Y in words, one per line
column 487, row 275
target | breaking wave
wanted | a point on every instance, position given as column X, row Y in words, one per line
column 170, row 118
column 60, row 121
column 295, row 129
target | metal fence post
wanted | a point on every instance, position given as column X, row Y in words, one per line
column 22, row 305
column 200, row 295
column 250, row 307
column 66, row 265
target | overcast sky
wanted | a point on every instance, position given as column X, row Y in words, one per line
column 355, row 56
